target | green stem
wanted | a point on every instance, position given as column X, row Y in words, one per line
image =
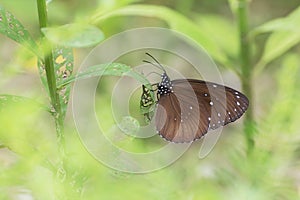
column 50, row 71
column 51, row 80
column 246, row 69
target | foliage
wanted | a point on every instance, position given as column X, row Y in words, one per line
column 48, row 166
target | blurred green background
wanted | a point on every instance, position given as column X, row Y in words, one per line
column 28, row 149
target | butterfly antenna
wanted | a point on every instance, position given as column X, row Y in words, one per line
column 157, row 65
column 154, row 64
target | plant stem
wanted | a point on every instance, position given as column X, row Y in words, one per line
column 246, row 69
column 51, row 80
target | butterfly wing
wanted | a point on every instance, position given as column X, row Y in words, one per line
column 196, row 106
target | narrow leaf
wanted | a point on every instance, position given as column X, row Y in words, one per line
column 288, row 23
column 279, row 43
column 74, row 35
column 273, row 25
column 175, row 20
column 114, row 69
column 21, row 127
column 6, row 99
column 12, row 28
column 286, row 34
column 110, row 69
column 63, row 64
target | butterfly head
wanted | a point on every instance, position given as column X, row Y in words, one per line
column 165, row 87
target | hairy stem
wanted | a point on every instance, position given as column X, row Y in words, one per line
column 246, row 70
column 51, row 80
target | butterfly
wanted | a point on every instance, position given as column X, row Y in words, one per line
column 186, row 109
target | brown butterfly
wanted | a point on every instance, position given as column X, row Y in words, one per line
column 188, row 108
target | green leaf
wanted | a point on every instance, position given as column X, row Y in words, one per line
column 288, row 23
column 113, row 69
column 6, row 99
column 42, row 72
column 22, row 129
column 110, row 69
column 273, row 25
column 12, row 28
column 63, row 64
column 74, row 35
column 175, row 20
column 286, row 34
column 279, row 43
